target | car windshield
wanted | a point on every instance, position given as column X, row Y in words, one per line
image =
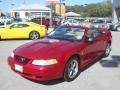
column 67, row 33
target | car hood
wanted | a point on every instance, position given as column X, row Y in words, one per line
column 43, row 48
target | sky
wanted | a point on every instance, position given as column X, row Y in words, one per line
column 6, row 5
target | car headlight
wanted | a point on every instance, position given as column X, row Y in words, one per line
column 12, row 54
column 44, row 62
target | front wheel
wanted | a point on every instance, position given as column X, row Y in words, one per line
column 107, row 50
column 34, row 35
column 72, row 69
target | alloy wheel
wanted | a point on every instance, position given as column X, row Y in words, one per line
column 34, row 35
column 72, row 69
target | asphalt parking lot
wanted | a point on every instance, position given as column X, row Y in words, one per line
column 103, row 75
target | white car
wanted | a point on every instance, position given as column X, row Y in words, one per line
column 71, row 22
column 4, row 24
column 5, row 19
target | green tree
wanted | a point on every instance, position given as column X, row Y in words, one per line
column 103, row 9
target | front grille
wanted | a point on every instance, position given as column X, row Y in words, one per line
column 22, row 59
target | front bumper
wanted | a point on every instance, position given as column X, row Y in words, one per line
column 36, row 72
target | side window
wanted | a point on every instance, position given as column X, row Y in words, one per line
column 25, row 25
column 95, row 32
column 14, row 26
column 19, row 25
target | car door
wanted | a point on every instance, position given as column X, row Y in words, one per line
column 7, row 33
column 92, row 50
column 99, row 39
column 21, row 30
column 15, row 31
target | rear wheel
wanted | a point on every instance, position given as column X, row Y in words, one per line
column 107, row 50
column 34, row 35
column 72, row 69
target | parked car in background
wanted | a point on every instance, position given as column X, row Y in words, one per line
column 115, row 26
column 17, row 19
column 108, row 24
column 5, row 19
column 62, row 54
column 23, row 30
column 44, row 21
column 99, row 23
column 5, row 23
column 71, row 22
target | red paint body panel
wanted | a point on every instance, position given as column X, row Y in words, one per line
column 61, row 50
column 36, row 72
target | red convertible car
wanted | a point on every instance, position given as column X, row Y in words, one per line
column 62, row 54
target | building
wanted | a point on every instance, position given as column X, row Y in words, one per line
column 116, row 10
column 60, row 9
column 24, row 11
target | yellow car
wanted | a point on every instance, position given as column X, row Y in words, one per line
column 23, row 30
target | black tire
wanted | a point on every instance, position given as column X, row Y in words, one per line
column 72, row 69
column 107, row 50
column 34, row 35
